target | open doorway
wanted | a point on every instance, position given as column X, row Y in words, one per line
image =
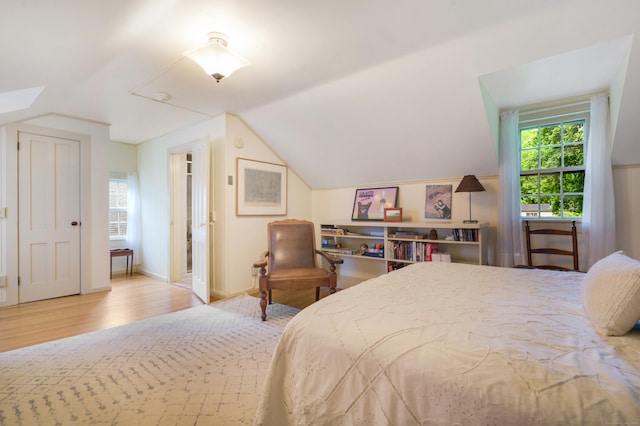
column 191, row 209
column 181, row 219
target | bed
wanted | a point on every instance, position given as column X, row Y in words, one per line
column 445, row 343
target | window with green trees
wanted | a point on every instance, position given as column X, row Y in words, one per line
column 552, row 169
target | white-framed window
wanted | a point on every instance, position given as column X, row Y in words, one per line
column 117, row 209
column 552, row 165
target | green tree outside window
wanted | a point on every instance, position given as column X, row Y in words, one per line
column 552, row 169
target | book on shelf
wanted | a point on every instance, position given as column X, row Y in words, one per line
column 430, row 249
column 331, row 230
column 331, row 246
column 374, row 252
column 349, row 251
column 331, row 250
column 441, row 257
column 414, row 251
column 407, row 237
column 340, row 250
column 401, row 232
column 463, row 234
column 394, row 266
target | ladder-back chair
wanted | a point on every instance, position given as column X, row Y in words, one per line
column 546, row 248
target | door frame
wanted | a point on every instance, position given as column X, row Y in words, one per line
column 176, row 244
column 9, row 157
column 177, row 216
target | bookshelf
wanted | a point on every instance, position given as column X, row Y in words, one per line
column 371, row 249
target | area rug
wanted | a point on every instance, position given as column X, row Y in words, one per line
column 200, row 366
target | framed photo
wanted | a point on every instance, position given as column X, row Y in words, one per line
column 369, row 204
column 393, row 215
column 437, row 204
column 261, row 188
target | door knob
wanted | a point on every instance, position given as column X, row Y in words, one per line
column 74, row 223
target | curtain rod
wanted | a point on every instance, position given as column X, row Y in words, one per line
column 551, row 108
column 553, row 117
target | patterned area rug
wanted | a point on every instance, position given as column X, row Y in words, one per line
column 200, row 366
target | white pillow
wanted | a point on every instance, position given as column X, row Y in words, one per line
column 611, row 294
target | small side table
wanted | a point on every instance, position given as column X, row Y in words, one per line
column 122, row 252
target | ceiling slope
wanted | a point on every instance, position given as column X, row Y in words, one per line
column 347, row 93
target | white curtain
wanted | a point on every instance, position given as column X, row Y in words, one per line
column 510, row 248
column 133, row 216
column 598, row 215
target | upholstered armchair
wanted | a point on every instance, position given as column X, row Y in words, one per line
column 291, row 262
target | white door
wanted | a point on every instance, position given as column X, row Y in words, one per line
column 178, row 214
column 49, row 217
column 201, row 222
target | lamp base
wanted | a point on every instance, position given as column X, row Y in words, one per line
column 469, row 221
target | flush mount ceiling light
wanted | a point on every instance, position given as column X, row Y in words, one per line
column 215, row 58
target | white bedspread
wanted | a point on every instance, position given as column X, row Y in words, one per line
column 444, row 344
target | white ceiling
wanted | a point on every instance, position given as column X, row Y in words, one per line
column 346, row 92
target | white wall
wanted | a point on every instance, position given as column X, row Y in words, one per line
column 335, row 206
column 626, row 180
column 4, row 206
column 238, row 241
column 245, row 237
column 123, row 159
column 153, row 175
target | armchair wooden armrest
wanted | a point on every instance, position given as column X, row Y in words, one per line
column 262, row 262
column 333, row 260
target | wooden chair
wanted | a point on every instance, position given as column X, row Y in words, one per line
column 290, row 263
column 550, row 250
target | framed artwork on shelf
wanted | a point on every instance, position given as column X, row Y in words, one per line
column 437, row 203
column 261, row 188
column 393, row 215
column 370, row 203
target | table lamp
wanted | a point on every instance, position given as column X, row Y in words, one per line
column 470, row 184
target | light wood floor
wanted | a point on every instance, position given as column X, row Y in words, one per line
column 130, row 299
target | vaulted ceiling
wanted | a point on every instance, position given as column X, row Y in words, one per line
column 346, row 92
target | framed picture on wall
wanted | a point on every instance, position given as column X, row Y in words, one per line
column 261, row 188
column 369, row 204
column 393, row 215
column 437, row 204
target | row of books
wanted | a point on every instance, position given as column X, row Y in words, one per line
column 372, row 252
column 331, row 230
column 394, row 266
column 415, row 251
column 340, row 250
column 460, row 234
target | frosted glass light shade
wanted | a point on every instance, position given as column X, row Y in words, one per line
column 216, row 59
